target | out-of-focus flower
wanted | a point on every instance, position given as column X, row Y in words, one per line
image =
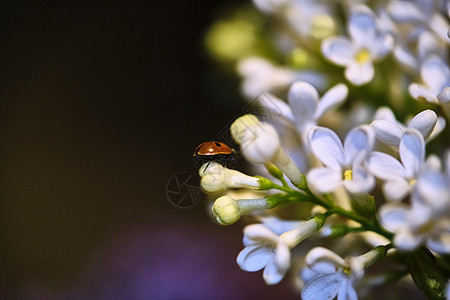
column 366, row 46
column 399, row 177
column 261, row 76
column 435, row 86
column 266, row 249
column 416, row 224
column 343, row 163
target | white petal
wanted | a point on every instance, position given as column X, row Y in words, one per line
column 405, row 58
column 279, row 226
column 362, row 26
column 307, row 274
column 272, row 274
column 385, row 113
column 440, row 125
column 440, row 243
column 444, row 96
column 435, row 73
column 434, row 189
column 428, row 43
column 393, row 217
column 359, row 74
column 404, row 239
column 421, row 92
column 412, row 152
column 320, row 254
column 282, row 257
column 440, row 26
column 362, row 182
column 385, row 166
column 325, row 180
column 402, row 11
column 338, row 50
column 357, row 144
column 387, row 132
column 303, row 98
column 260, row 233
column 424, row 122
column 254, row 258
column 347, row 291
column 396, row 189
column 331, row 99
column 275, row 107
column 382, row 46
column 323, row 287
column 260, row 143
column 327, row 147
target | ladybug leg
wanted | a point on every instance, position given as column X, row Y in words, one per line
column 207, row 166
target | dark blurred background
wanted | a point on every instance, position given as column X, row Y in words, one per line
column 101, row 104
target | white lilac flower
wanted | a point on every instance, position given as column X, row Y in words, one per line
column 260, row 144
column 389, row 131
column 328, row 275
column 228, row 210
column 415, row 225
column 216, row 177
column 342, row 163
column 266, row 249
column 305, row 107
column 399, row 176
column 422, row 15
column 365, row 46
column 262, row 76
column 435, row 86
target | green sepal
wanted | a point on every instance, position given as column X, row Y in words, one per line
column 364, row 205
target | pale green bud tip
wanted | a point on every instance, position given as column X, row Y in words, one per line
column 320, row 220
column 265, row 184
column 241, row 124
column 274, row 171
column 226, row 210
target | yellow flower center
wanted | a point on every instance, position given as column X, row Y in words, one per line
column 348, row 175
column 412, row 181
column 347, row 270
column 362, row 56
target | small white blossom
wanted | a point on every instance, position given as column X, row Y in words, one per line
column 366, row 45
column 390, row 131
column 216, row 177
column 266, row 249
column 228, row 210
column 399, row 177
column 342, row 162
column 328, row 275
column 435, row 86
column 305, row 107
column 260, row 144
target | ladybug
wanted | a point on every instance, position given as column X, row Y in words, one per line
column 214, row 151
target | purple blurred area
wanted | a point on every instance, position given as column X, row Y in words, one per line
column 101, row 103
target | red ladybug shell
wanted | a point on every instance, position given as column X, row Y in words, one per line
column 212, row 148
